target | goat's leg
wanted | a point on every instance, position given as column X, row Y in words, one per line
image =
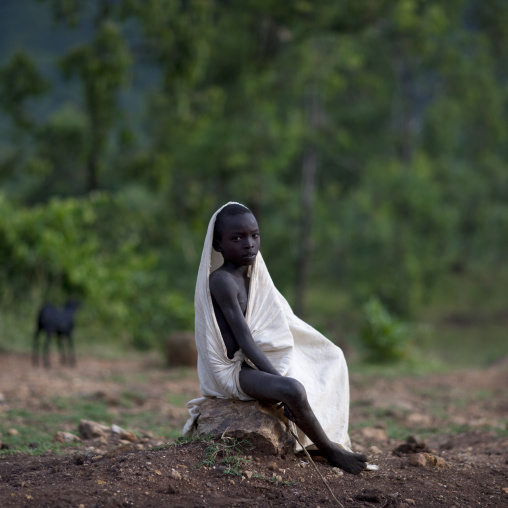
column 61, row 347
column 35, row 349
column 70, row 350
column 46, row 350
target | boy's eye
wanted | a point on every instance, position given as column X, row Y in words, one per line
column 255, row 235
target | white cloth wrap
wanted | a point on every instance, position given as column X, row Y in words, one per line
column 293, row 347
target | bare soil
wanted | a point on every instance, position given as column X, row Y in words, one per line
column 458, row 419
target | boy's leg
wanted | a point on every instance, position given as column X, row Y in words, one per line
column 270, row 388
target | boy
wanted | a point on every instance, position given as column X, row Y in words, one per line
column 252, row 346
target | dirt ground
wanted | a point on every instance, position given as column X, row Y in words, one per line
column 462, row 417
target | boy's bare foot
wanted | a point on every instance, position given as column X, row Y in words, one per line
column 350, row 462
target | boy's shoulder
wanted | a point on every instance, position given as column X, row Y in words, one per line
column 221, row 280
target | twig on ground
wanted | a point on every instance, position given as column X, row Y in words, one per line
column 314, row 464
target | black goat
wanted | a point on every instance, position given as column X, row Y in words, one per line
column 59, row 321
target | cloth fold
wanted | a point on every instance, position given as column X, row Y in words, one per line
column 293, row 347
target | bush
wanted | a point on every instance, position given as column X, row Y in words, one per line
column 384, row 337
column 91, row 248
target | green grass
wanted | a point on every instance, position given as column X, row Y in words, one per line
column 64, row 414
column 227, row 451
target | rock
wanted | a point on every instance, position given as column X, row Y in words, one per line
column 248, row 474
column 90, row 430
column 262, row 425
column 417, row 460
column 124, row 434
column 272, row 465
column 374, row 450
column 65, row 437
column 175, row 475
column 181, row 350
column 13, row 432
column 374, row 434
column 427, row 460
column 435, row 461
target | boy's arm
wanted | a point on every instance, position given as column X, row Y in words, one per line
column 225, row 292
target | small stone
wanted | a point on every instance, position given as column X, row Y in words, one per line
column 277, row 478
column 302, row 479
column 374, row 450
column 123, row 434
column 248, row 474
column 272, row 465
column 157, row 472
column 410, row 501
column 90, row 430
column 417, row 460
column 337, row 471
column 435, row 461
column 65, row 437
column 232, row 482
column 13, row 432
column 175, row 474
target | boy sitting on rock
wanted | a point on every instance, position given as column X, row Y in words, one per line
column 252, row 346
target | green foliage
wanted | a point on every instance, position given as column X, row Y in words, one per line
column 384, row 337
column 20, row 81
column 226, row 451
column 177, row 107
column 90, row 248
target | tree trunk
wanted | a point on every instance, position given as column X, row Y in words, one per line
column 309, row 170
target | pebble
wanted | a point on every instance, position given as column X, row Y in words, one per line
column 13, row 432
column 337, row 471
column 175, row 474
column 272, row 465
column 248, row 474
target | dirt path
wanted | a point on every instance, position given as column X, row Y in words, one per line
column 461, row 417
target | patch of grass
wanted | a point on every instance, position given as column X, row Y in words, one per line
column 65, row 413
column 178, row 399
column 227, row 451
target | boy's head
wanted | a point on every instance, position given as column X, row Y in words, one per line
column 228, row 211
column 230, row 223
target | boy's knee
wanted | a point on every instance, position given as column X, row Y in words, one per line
column 294, row 391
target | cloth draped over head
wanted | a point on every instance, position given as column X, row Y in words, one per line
column 293, row 347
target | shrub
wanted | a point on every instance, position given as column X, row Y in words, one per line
column 384, row 337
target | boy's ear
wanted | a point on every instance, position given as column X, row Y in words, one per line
column 216, row 245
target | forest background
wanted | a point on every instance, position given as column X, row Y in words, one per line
column 369, row 137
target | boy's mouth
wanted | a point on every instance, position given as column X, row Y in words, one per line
column 250, row 255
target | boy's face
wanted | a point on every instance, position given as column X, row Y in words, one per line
column 240, row 239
